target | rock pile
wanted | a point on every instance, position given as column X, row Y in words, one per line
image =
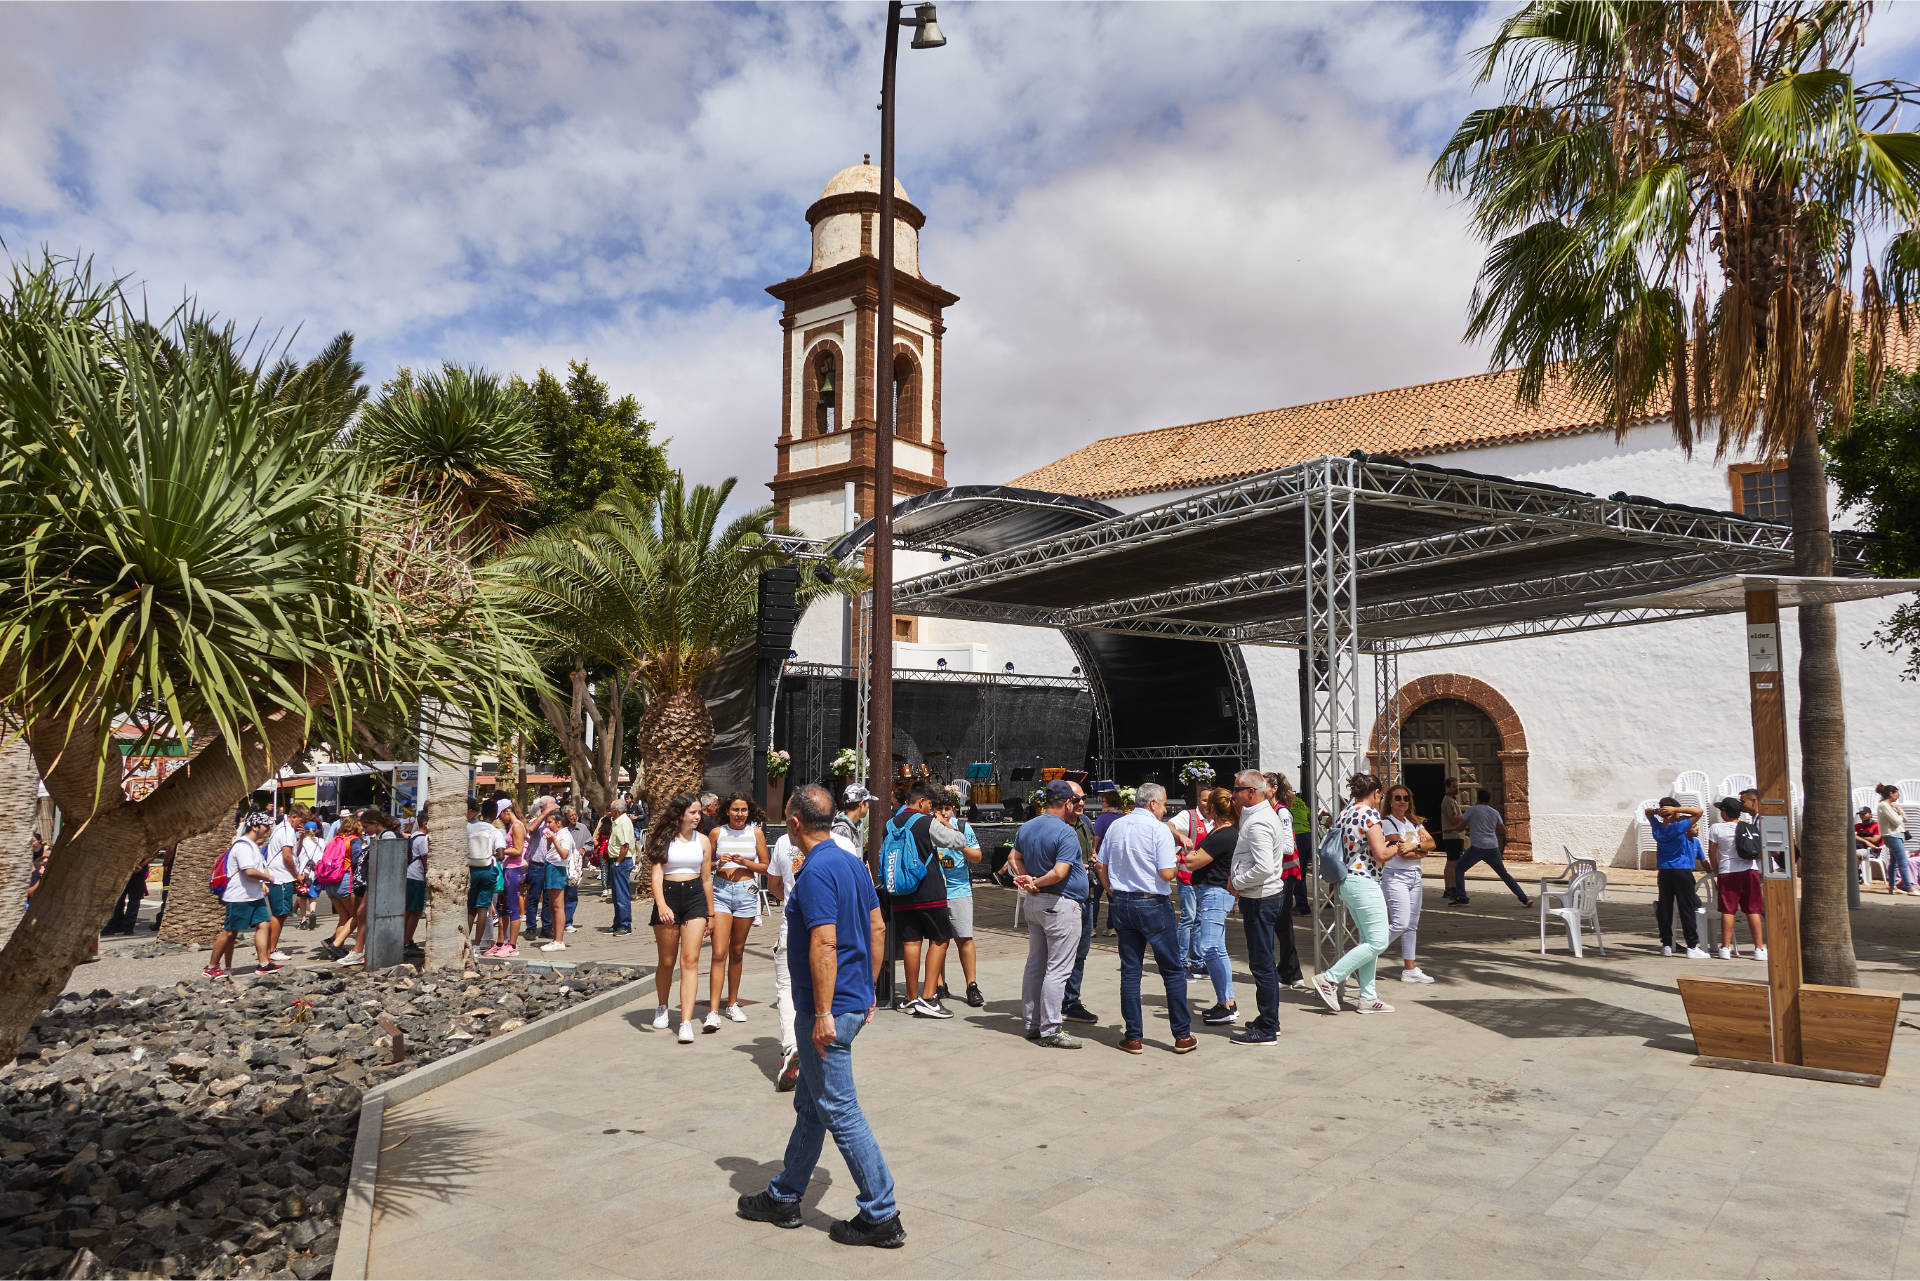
column 205, row 1129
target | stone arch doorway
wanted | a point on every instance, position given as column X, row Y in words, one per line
column 1459, row 727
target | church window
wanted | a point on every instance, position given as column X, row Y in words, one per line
column 1760, row 489
column 906, row 397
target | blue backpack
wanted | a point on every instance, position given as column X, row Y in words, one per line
column 902, row 865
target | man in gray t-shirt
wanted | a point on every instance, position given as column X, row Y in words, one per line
column 1486, row 837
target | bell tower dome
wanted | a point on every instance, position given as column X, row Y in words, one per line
column 834, row 362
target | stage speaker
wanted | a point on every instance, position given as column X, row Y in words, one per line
column 779, row 615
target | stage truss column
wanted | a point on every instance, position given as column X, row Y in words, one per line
column 863, row 696
column 1386, row 699
column 1333, row 680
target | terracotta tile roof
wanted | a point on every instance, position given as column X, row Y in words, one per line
column 1425, row 418
column 1408, row 421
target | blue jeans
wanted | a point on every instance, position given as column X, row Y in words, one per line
column 620, row 880
column 572, row 900
column 1898, row 871
column 1264, row 919
column 1142, row 921
column 1210, row 925
column 824, row 1100
column 1493, row 860
column 1184, row 933
column 1072, row 997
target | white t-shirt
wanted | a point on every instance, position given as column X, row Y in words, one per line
column 1409, row 832
column 276, row 864
column 417, row 857
column 1726, row 854
column 560, row 846
column 241, row 855
column 780, row 865
column 308, row 856
column 1483, row 823
column 283, row 836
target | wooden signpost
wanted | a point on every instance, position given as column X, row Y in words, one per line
column 1785, row 1025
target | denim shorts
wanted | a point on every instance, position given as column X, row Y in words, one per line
column 736, row 898
column 556, row 876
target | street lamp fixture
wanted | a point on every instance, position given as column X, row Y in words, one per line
column 926, row 27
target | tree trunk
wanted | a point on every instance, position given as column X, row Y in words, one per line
column 19, row 809
column 447, row 752
column 595, row 770
column 1826, row 853
column 676, row 733
column 105, row 837
column 194, row 916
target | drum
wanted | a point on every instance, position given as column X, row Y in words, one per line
column 993, row 793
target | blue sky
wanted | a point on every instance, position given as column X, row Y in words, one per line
column 1152, row 213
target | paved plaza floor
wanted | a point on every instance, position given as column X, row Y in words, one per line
column 1527, row 1115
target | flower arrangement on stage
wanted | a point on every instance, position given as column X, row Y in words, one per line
column 959, row 797
column 778, row 763
column 847, row 764
column 1128, row 797
column 1196, row 772
column 1037, row 797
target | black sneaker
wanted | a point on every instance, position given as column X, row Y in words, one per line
column 857, row 1231
column 761, row 1207
column 1079, row 1013
column 924, row 1009
column 973, row 996
column 902, row 1005
column 1247, row 1036
column 941, row 994
column 1220, row 1014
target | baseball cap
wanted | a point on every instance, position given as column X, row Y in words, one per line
column 1059, row 790
column 856, row 794
column 502, row 805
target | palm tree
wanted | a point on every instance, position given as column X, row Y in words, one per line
column 656, row 590
column 173, row 535
column 460, row 448
column 1673, row 194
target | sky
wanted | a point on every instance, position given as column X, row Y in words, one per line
column 1152, row 213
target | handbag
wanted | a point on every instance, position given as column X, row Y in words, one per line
column 1329, row 859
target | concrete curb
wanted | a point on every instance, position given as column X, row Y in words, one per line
column 356, row 1216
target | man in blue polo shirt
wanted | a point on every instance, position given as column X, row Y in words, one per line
column 832, row 907
column 1673, row 828
column 1046, row 865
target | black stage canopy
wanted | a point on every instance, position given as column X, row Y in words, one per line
column 1431, row 557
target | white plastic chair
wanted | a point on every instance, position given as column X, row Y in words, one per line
column 1909, row 805
column 1687, row 783
column 1576, row 906
column 1575, row 866
column 1867, row 798
column 1870, row 863
column 1734, row 784
column 1643, row 842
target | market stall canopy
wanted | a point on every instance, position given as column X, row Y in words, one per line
column 1435, row 557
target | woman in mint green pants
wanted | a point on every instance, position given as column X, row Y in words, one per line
column 1366, row 850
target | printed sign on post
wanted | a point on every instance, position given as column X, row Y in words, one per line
column 1776, row 849
column 1763, row 647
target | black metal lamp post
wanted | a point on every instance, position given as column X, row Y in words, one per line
column 926, row 35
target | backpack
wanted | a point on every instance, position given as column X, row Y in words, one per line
column 217, row 875
column 1330, row 860
column 333, row 861
column 902, row 865
column 1746, row 840
column 480, row 849
column 576, row 866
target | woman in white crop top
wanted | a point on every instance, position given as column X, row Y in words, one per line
column 682, row 862
column 739, row 856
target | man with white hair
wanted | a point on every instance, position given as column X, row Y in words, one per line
column 1260, row 856
column 1141, row 861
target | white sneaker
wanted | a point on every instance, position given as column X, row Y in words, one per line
column 352, row 958
column 712, row 1022
column 1726, row 954
column 1328, row 993
column 1759, row 953
column 278, row 956
column 735, row 1013
column 1698, row 954
column 1415, row 975
column 553, row 947
column 660, row 1019
column 686, row 1034
column 1666, row 949
column 1362, row 1005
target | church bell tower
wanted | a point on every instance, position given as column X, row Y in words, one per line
column 834, row 363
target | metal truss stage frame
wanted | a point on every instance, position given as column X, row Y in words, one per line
column 1340, row 556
